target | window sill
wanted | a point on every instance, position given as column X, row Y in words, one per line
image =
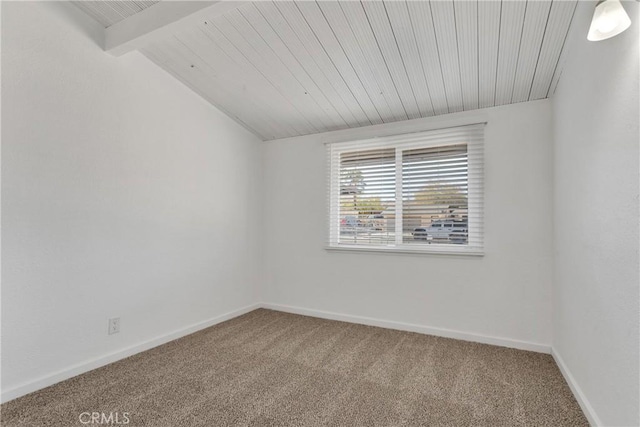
column 447, row 250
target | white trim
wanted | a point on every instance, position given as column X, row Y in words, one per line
column 98, row 362
column 401, row 326
column 402, row 127
column 586, row 407
column 92, row 364
column 406, row 249
column 417, row 139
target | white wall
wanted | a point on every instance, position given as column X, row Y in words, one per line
column 596, row 219
column 124, row 195
column 505, row 294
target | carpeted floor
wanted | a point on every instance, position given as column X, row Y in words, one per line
column 268, row 368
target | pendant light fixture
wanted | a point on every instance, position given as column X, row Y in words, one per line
column 609, row 19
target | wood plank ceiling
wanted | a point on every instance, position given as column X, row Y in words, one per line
column 289, row 68
column 110, row 12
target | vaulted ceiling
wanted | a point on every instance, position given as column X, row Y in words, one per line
column 292, row 68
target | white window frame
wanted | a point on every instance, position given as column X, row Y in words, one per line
column 431, row 138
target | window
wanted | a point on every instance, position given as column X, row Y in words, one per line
column 420, row 192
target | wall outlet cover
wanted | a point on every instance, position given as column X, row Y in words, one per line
column 114, row 325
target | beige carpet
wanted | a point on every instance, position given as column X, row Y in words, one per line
column 268, row 368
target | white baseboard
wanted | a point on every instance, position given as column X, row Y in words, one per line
column 98, row 362
column 89, row 365
column 428, row 330
column 586, row 407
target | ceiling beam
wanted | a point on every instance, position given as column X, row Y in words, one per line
column 160, row 21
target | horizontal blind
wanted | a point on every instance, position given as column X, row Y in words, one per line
column 432, row 182
column 475, row 157
column 365, row 197
column 435, row 195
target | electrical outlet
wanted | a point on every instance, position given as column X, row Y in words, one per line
column 114, row 325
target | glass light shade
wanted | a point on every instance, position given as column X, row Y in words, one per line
column 609, row 19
